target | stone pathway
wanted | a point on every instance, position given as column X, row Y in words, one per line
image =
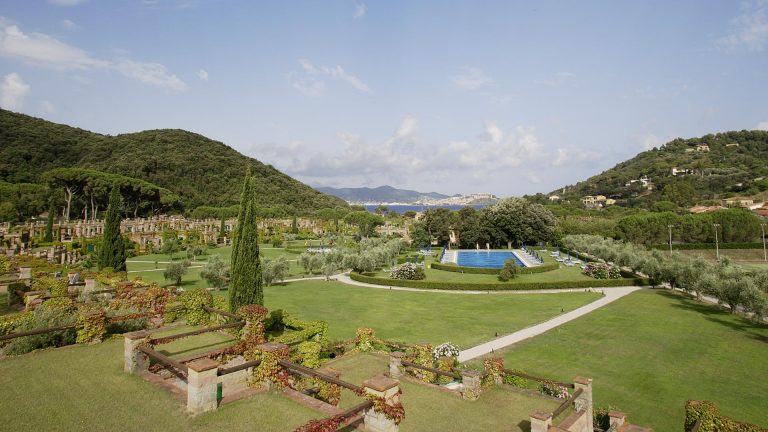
column 611, row 294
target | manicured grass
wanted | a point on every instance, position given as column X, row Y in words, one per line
column 150, row 267
column 428, row 409
column 463, row 319
column 651, row 351
column 84, row 388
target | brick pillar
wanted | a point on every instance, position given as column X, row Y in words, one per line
column 541, row 421
column 584, row 401
column 396, row 369
column 471, row 381
column 90, row 284
column 389, row 389
column 135, row 361
column 25, row 272
column 617, row 420
column 202, row 382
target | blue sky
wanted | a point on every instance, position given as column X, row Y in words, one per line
column 449, row 96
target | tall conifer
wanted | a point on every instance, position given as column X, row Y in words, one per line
column 112, row 251
column 245, row 287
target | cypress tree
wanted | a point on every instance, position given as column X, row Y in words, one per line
column 49, row 224
column 245, row 286
column 112, row 251
column 244, row 194
column 294, row 226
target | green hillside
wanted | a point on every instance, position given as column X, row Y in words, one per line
column 199, row 170
column 732, row 163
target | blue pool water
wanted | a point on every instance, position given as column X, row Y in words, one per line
column 486, row 259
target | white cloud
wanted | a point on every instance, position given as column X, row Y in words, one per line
column 42, row 50
column 762, row 126
column 66, row 2
column 202, row 74
column 309, row 81
column 12, row 91
column 47, row 107
column 360, row 10
column 556, row 79
column 471, row 78
column 649, row 141
column 749, row 29
column 407, row 127
column 69, row 25
column 149, row 73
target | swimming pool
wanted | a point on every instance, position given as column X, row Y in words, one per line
column 486, row 259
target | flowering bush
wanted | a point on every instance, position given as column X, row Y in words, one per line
column 407, row 271
column 551, row 389
column 446, row 349
column 494, row 371
column 602, row 271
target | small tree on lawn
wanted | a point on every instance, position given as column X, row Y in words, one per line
column 245, row 288
column 112, row 251
column 175, row 271
column 509, row 271
column 171, row 246
column 215, row 272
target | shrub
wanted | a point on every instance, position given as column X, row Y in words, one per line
column 53, row 313
column 712, row 420
column 600, row 417
column 498, row 286
column 407, row 271
column 451, row 267
column 515, row 380
column 509, row 271
column 13, row 292
column 551, row 389
column 446, row 349
column 602, row 271
column 193, row 301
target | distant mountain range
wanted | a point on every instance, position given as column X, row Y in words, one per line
column 381, row 194
column 390, row 195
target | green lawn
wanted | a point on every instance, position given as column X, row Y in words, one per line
column 749, row 258
column 651, row 351
column 463, row 319
column 84, row 388
column 427, row 409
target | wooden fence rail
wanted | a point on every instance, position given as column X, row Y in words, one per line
column 293, row 367
column 238, row 368
column 35, row 332
column 167, row 339
column 222, row 313
column 564, row 406
column 163, row 359
column 539, row 379
column 431, row 369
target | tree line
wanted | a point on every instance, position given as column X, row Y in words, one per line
column 740, row 289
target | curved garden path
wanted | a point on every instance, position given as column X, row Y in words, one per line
column 609, row 295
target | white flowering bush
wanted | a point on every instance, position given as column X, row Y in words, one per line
column 602, row 271
column 408, row 271
column 445, row 350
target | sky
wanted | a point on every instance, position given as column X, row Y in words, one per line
column 506, row 97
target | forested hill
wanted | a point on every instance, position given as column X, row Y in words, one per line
column 200, row 170
column 707, row 168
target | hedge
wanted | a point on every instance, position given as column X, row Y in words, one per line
column 712, row 420
column 699, row 246
column 493, row 271
column 500, row 286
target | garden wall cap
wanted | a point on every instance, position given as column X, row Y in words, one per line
column 203, row 364
column 141, row 334
column 472, row 373
column 380, row 383
column 616, row 414
column 541, row 415
column 582, row 380
column 398, row 354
